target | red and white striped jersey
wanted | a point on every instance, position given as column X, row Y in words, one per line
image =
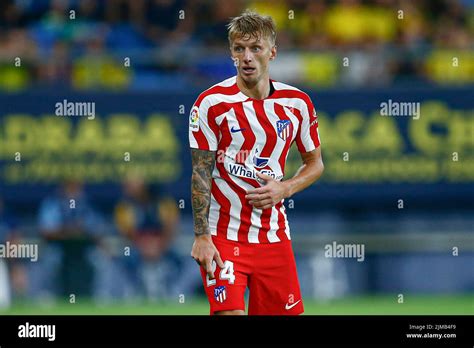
column 250, row 135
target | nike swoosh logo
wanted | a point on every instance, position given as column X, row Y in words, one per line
column 233, row 130
column 288, row 306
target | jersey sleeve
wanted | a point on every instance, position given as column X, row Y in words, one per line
column 307, row 138
column 203, row 130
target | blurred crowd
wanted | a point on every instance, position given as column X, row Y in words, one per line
column 125, row 254
column 174, row 44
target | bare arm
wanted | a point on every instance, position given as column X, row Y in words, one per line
column 203, row 164
column 203, row 250
column 307, row 174
column 274, row 191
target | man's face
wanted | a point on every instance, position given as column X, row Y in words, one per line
column 251, row 57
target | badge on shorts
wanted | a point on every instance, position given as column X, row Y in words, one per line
column 220, row 294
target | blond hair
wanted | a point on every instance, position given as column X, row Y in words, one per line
column 251, row 24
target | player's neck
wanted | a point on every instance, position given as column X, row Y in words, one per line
column 260, row 90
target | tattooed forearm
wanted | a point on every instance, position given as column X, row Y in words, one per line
column 203, row 164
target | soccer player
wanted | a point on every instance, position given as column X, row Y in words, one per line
column 240, row 132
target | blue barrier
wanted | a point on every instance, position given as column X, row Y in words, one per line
column 371, row 160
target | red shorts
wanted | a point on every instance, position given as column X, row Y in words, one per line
column 268, row 270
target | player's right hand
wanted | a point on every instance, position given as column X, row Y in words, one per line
column 204, row 252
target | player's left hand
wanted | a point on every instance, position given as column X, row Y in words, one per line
column 269, row 195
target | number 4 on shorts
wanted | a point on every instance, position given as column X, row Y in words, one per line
column 226, row 273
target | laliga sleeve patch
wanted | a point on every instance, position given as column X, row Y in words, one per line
column 194, row 119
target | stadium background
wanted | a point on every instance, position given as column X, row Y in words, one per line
column 401, row 186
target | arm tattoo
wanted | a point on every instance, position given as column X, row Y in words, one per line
column 203, row 164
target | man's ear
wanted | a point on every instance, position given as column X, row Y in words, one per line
column 273, row 52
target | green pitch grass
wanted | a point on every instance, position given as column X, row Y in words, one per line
column 381, row 305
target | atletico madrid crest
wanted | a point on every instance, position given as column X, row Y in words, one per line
column 284, row 129
column 220, row 294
